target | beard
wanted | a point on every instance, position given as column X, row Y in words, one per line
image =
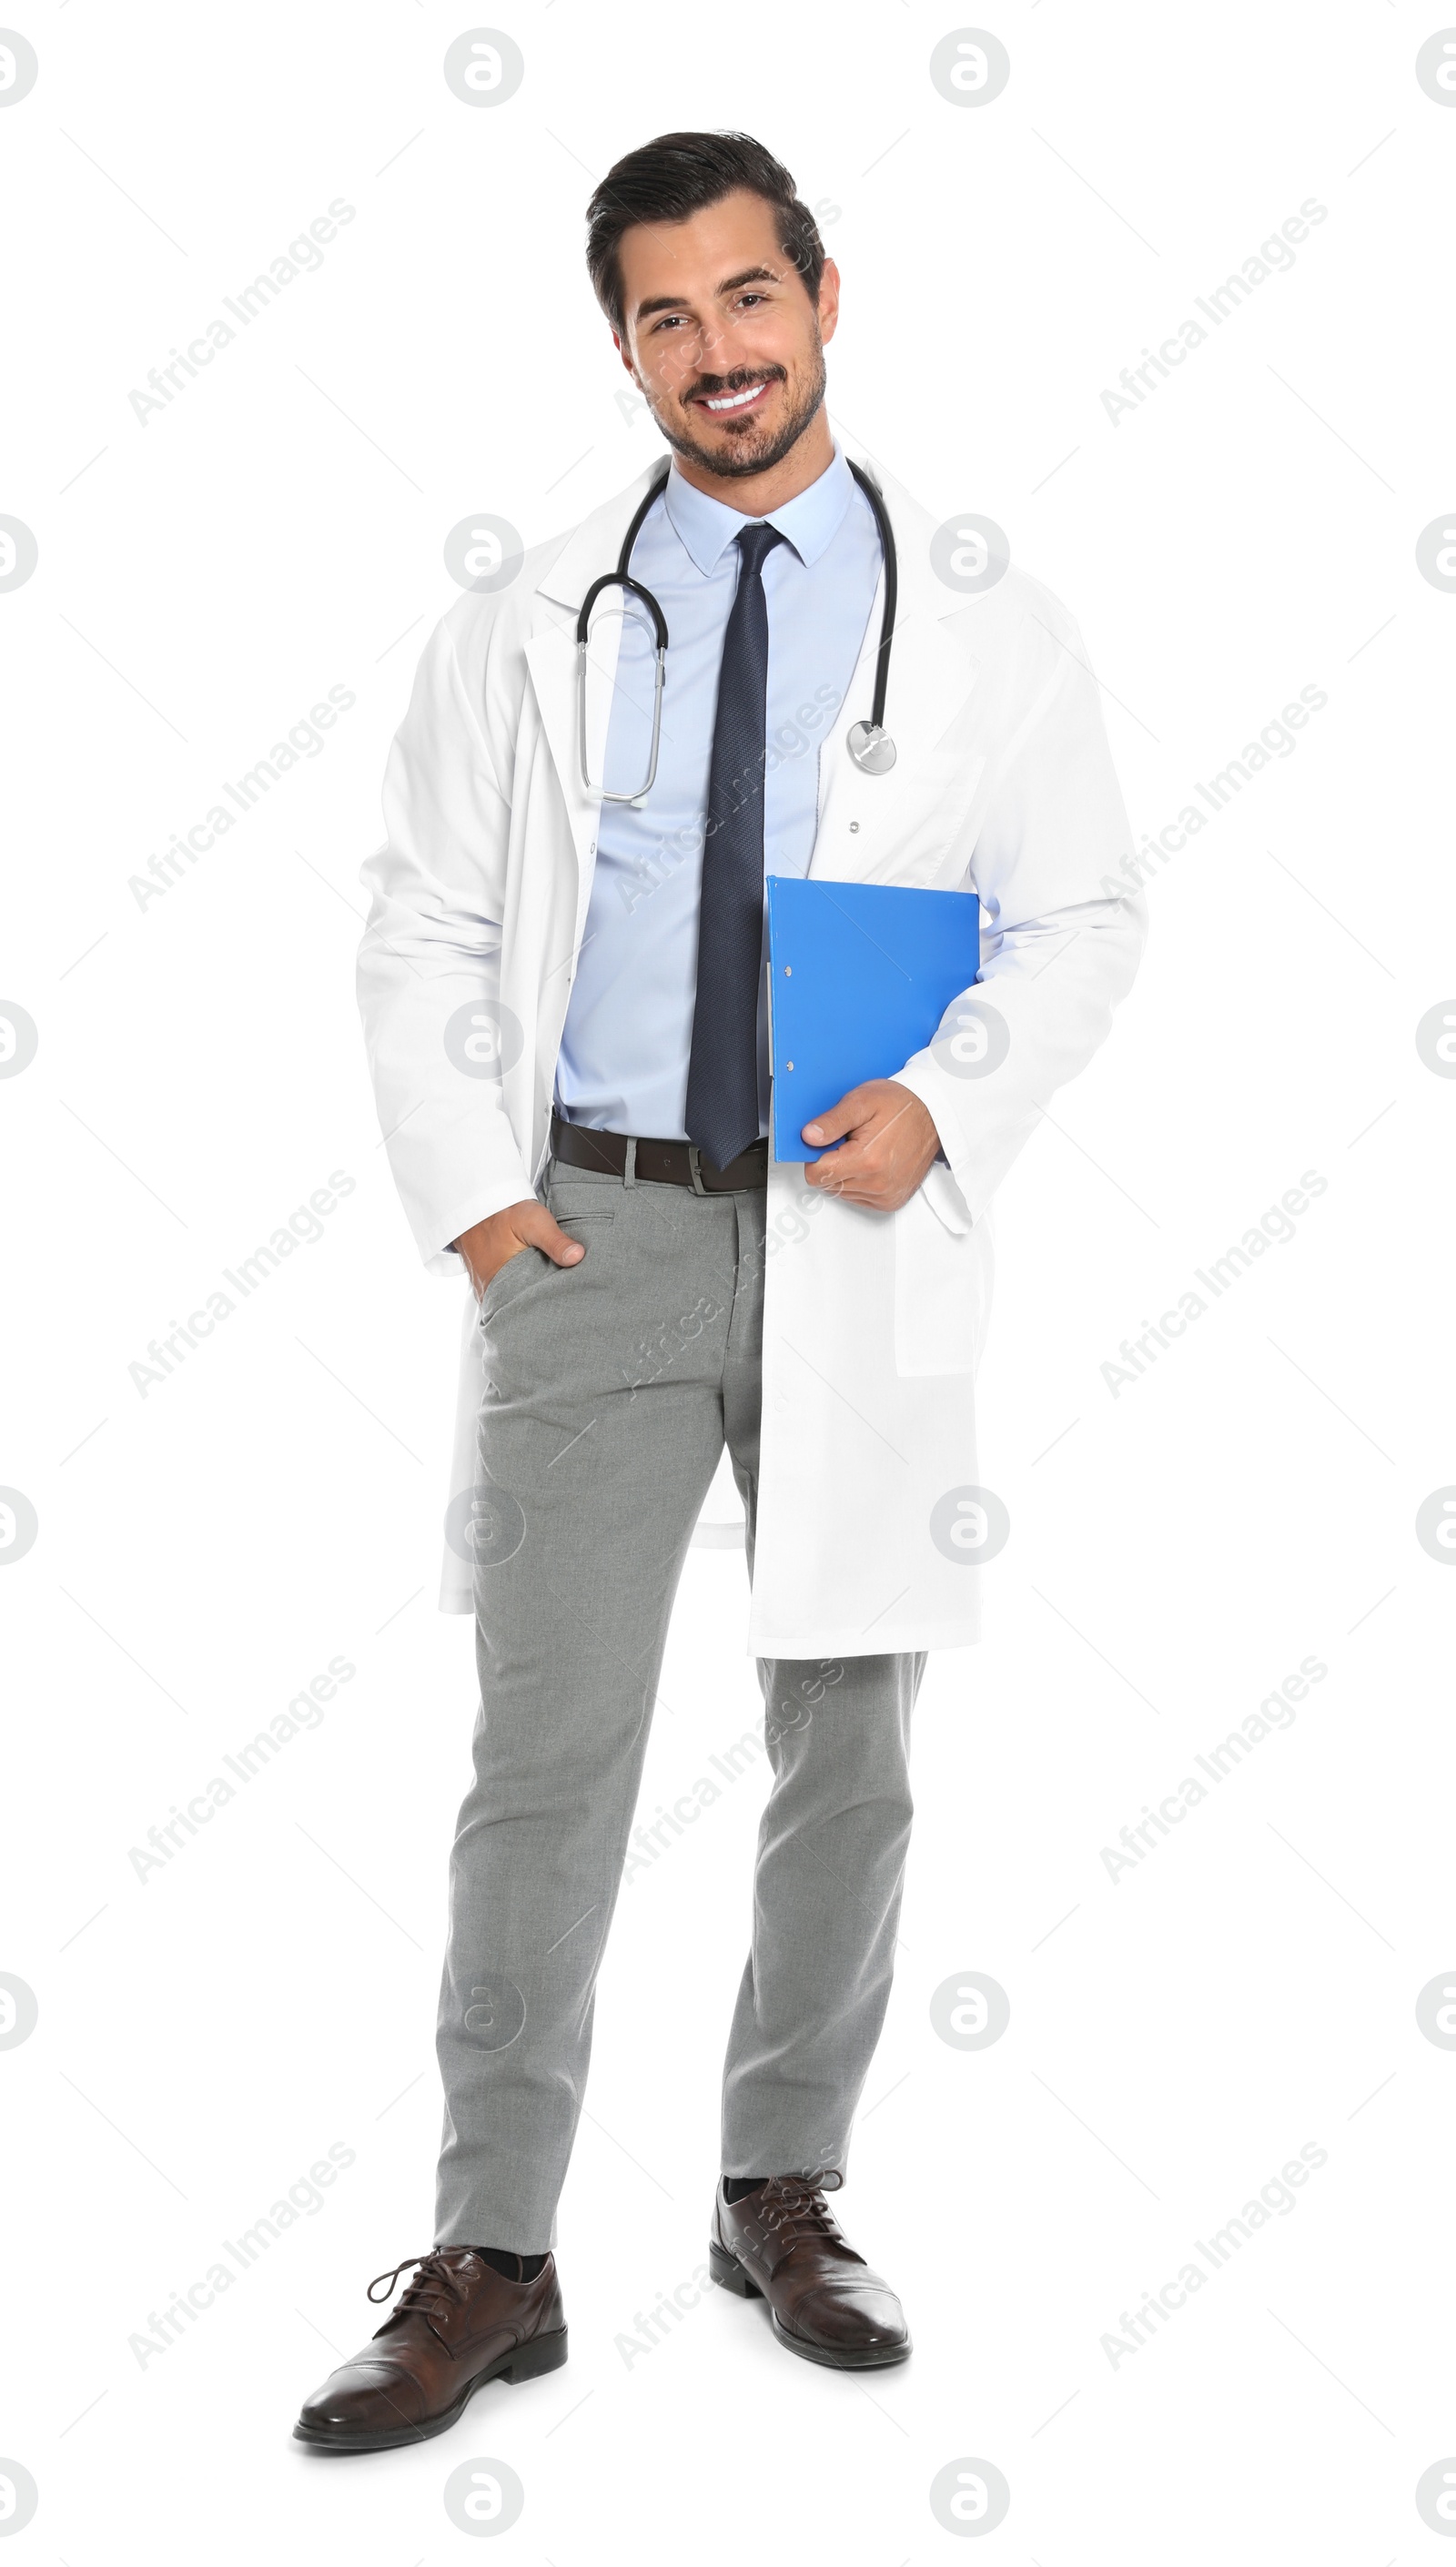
column 755, row 449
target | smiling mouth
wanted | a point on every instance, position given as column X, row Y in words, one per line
column 723, row 404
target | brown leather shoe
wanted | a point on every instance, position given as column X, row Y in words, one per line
column 459, row 2324
column 782, row 2244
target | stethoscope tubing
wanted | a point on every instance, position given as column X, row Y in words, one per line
column 621, row 578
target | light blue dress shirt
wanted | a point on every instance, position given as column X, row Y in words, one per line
column 623, row 1063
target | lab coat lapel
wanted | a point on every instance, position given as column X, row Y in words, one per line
column 590, row 549
column 933, row 672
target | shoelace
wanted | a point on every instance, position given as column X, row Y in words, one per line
column 432, row 2276
column 793, row 2205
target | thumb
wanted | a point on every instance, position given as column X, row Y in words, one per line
column 536, row 1227
column 841, row 1118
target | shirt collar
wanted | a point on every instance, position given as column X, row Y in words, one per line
column 705, row 528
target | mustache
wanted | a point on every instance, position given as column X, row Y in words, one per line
column 714, row 386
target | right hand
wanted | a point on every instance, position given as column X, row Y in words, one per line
column 489, row 1245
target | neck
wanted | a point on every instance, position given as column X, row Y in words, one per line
column 758, row 494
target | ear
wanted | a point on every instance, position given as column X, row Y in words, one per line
column 828, row 301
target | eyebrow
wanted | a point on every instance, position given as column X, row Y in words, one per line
column 730, row 285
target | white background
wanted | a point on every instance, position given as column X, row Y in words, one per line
column 1177, row 2035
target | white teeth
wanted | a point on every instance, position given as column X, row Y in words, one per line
column 735, row 400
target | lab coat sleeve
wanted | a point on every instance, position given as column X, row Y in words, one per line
column 1062, row 925
column 430, row 964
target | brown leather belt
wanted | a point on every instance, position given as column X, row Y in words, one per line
column 657, row 1163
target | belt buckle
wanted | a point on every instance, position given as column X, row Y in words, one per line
column 693, row 1176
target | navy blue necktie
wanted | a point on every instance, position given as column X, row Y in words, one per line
column 722, row 1070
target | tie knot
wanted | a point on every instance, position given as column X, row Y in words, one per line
column 756, row 540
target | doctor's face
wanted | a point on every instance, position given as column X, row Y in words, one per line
column 720, row 336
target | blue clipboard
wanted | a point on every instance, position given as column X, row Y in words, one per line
column 859, row 976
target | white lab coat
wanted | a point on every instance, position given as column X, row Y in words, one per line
column 873, row 1323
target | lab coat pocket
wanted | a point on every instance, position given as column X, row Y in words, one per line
column 943, row 1281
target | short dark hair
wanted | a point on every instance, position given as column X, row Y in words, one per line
column 677, row 176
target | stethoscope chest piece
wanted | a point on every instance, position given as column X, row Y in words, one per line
column 871, row 749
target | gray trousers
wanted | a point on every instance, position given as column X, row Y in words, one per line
column 612, row 1386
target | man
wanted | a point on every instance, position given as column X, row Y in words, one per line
column 562, row 994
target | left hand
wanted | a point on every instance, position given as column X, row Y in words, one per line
column 887, row 1139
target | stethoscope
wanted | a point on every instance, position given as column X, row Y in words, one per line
column 869, row 744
